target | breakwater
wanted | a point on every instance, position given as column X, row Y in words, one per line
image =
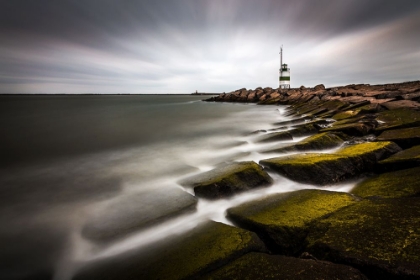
column 357, row 133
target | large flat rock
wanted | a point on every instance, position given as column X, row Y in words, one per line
column 401, row 160
column 228, row 180
column 263, row 266
column 399, row 118
column 188, row 256
column 320, row 141
column 132, row 212
column 395, row 184
column 379, row 237
column 405, row 137
column 282, row 220
column 324, row 169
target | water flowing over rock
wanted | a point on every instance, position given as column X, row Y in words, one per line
column 135, row 211
column 188, row 256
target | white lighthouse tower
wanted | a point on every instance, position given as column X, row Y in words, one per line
column 284, row 72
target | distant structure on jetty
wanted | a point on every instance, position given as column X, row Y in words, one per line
column 284, row 72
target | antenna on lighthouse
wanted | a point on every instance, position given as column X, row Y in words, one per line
column 281, row 56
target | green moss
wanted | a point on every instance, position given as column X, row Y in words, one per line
column 381, row 237
column 228, row 180
column 399, row 118
column 187, row 256
column 393, row 184
column 321, row 169
column 316, row 142
column 405, row 137
column 263, row 266
column 368, row 147
column 282, row 219
column 344, row 115
column 294, row 209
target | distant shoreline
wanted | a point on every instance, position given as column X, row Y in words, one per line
column 50, row 94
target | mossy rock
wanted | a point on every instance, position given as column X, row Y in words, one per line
column 344, row 115
column 379, row 237
column 228, row 180
column 401, row 160
column 281, row 220
column 395, row 119
column 275, row 136
column 319, row 141
column 187, row 256
column 405, row 137
column 353, row 129
column 324, row 169
column 395, row 184
column 373, row 151
column 263, row 266
column 132, row 212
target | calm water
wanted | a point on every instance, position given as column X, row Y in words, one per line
column 65, row 157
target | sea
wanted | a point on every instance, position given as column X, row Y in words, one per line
column 63, row 157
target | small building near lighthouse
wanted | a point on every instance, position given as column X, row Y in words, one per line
column 284, row 72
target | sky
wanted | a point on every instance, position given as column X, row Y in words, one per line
column 213, row 46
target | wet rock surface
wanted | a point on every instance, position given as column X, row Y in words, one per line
column 401, row 160
column 380, row 237
column 128, row 213
column 263, row 266
column 321, row 141
column 282, row 220
column 405, row 137
column 390, row 184
column 323, row 169
column 188, row 256
column 228, row 180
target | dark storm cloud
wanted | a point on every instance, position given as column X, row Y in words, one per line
column 170, row 46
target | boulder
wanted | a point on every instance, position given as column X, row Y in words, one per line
column 263, row 266
column 188, row 256
column 324, row 169
column 399, row 118
column 401, row 160
column 379, row 237
column 402, row 104
column 405, row 137
column 353, row 129
column 282, row 220
column 228, row 180
column 319, row 87
column 319, row 141
column 395, row 184
column 131, row 212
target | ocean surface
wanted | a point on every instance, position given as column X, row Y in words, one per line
column 65, row 157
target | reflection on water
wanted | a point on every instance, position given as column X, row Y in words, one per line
column 65, row 157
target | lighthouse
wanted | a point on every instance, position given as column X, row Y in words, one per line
column 284, row 72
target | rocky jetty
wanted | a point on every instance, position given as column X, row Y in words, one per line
column 363, row 132
column 389, row 96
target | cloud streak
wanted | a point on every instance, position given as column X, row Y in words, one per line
column 214, row 46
